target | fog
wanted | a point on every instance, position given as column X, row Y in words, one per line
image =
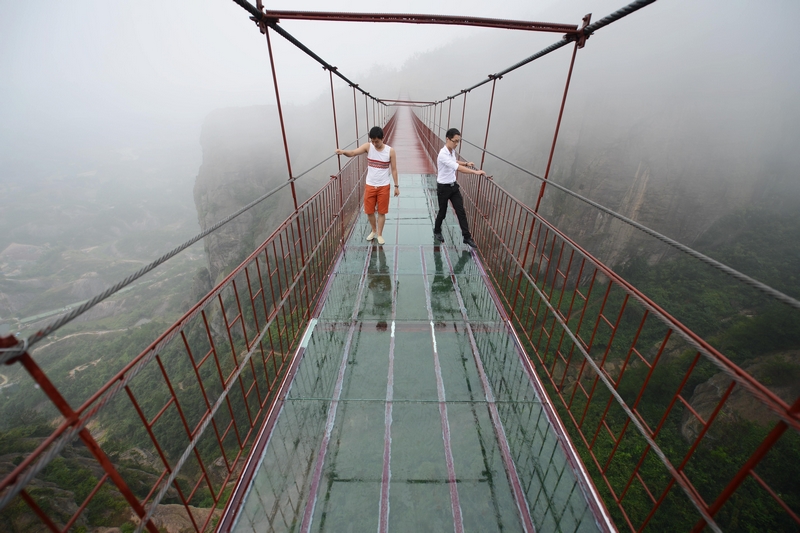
column 681, row 97
column 80, row 75
column 97, row 76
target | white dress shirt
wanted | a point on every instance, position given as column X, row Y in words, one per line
column 448, row 166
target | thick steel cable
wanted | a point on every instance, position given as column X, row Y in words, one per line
column 587, row 31
column 17, row 350
column 327, row 159
column 70, row 435
column 616, row 15
column 744, row 278
column 273, row 23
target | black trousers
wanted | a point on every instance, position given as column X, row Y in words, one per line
column 452, row 194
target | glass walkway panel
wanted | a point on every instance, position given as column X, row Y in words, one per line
column 412, row 409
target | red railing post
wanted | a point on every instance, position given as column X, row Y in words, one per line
column 366, row 114
column 488, row 121
column 280, row 113
column 288, row 159
column 578, row 44
column 478, row 197
column 355, row 112
column 335, row 125
column 449, row 109
column 463, row 113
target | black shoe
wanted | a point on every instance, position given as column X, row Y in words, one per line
column 469, row 242
column 438, row 237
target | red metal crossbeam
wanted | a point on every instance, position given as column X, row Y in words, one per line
column 407, row 101
column 411, row 18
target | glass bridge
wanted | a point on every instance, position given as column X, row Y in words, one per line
column 412, row 408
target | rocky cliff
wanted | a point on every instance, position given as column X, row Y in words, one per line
column 665, row 172
column 243, row 158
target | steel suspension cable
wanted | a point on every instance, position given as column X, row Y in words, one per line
column 616, row 15
column 7, row 354
column 587, row 31
column 259, row 17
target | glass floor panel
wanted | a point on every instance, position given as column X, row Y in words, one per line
column 411, row 409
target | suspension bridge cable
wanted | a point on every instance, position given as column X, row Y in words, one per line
column 9, row 353
column 616, row 15
column 587, row 31
column 273, row 23
column 744, row 278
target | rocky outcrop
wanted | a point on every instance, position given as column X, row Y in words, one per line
column 172, row 518
column 238, row 167
column 640, row 178
column 780, row 372
column 243, row 158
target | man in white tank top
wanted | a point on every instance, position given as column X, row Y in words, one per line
column 381, row 160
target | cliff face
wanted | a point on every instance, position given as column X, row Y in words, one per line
column 242, row 160
column 664, row 173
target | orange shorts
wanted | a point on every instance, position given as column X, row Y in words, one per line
column 376, row 195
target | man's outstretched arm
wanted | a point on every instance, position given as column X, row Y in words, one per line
column 363, row 149
column 467, row 168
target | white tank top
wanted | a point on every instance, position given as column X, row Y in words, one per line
column 378, row 166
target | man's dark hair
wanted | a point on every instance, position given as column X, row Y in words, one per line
column 376, row 133
column 452, row 132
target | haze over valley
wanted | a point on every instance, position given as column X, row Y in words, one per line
column 682, row 118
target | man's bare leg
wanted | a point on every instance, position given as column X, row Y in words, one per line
column 371, row 218
column 381, row 223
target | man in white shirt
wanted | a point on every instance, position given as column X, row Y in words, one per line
column 381, row 167
column 447, row 188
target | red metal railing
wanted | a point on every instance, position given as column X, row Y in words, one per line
column 204, row 388
column 621, row 372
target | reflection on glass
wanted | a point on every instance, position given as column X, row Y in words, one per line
column 380, row 284
column 443, row 302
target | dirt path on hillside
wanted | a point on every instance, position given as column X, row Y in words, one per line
column 104, row 332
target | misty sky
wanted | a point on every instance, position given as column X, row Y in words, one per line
column 113, row 73
column 72, row 70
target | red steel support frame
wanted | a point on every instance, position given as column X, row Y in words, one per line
column 406, row 101
column 335, row 124
column 355, row 112
column 449, row 109
column 488, row 122
column 366, row 113
column 265, row 31
column 578, row 44
column 463, row 114
column 407, row 18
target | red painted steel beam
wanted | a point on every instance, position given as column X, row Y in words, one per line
column 407, row 101
column 411, row 18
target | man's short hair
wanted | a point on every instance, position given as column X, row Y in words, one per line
column 452, row 132
column 376, row 133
